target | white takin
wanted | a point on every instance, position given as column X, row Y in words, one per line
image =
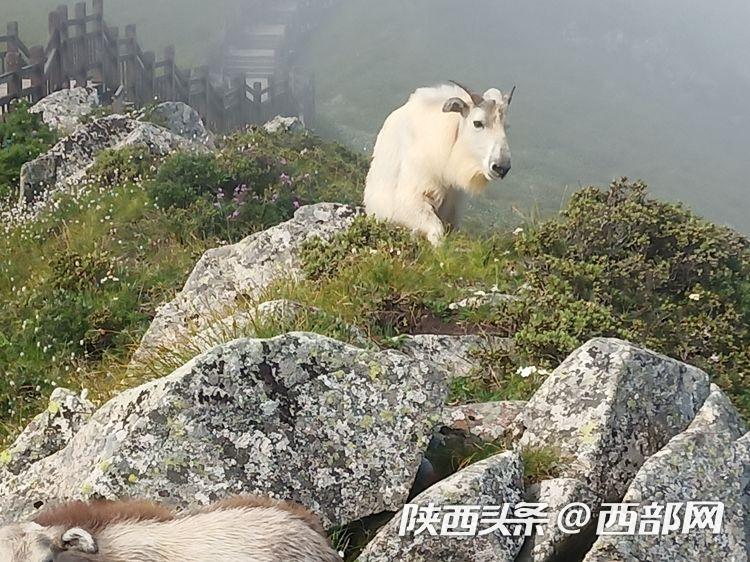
column 444, row 142
column 241, row 529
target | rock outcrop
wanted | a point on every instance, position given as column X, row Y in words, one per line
column 227, row 275
column 65, row 110
column 48, row 432
column 458, row 356
column 705, row 463
column 606, row 409
column 494, row 481
column 67, row 162
column 300, row 416
column 180, row 119
column 281, row 124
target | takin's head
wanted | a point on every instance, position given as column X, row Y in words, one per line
column 31, row 542
column 481, row 130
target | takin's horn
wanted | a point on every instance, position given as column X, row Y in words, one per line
column 475, row 98
column 510, row 95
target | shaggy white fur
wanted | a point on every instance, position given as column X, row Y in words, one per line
column 430, row 151
column 263, row 533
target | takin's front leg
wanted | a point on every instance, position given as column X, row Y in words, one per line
column 418, row 213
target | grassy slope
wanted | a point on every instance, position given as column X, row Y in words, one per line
column 589, row 107
column 80, row 284
column 159, row 23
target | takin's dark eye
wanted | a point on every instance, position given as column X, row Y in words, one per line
column 478, row 125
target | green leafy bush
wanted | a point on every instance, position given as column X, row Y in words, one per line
column 129, row 164
column 23, row 137
column 321, row 258
column 184, row 178
column 617, row 263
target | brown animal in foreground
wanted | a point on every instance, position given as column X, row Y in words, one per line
column 240, row 529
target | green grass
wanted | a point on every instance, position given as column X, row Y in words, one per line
column 81, row 283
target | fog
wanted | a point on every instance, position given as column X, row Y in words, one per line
column 651, row 90
column 647, row 89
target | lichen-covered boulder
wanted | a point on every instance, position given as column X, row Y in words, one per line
column 281, row 124
column 67, row 162
column 488, row 421
column 301, row 417
column 64, row 110
column 494, row 481
column 706, row 462
column 608, row 407
column 554, row 544
column 182, row 120
column 227, row 276
column 48, row 432
column 458, row 355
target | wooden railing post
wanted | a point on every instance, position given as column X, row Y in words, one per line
column 147, row 82
column 12, row 32
column 38, row 83
column 81, row 56
column 66, row 66
column 130, row 72
column 169, row 78
column 257, row 101
column 54, row 48
column 13, row 67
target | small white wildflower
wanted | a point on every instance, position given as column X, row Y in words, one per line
column 694, row 296
column 526, row 372
column 518, row 231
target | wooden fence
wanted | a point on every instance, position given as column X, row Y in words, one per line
column 83, row 50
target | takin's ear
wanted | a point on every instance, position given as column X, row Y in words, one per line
column 79, row 539
column 456, row 105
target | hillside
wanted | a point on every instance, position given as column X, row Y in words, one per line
column 184, row 322
column 604, row 90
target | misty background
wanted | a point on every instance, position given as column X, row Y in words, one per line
column 650, row 90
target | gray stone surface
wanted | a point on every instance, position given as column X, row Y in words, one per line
column 64, row 110
column 608, row 407
column 488, row 421
column 707, row 462
column 490, row 482
column 48, row 432
column 301, row 417
column 182, row 120
column 553, row 544
column 281, row 124
column 67, row 162
column 229, row 275
column 458, row 356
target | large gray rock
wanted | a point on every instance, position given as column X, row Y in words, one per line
column 707, row 462
column 301, row 417
column 48, row 432
column 494, row 481
column 280, row 124
column 182, row 120
column 608, row 407
column 64, row 110
column 554, row 544
column 227, row 276
column 67, row 162
column 487, row 421
column 458, row 356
